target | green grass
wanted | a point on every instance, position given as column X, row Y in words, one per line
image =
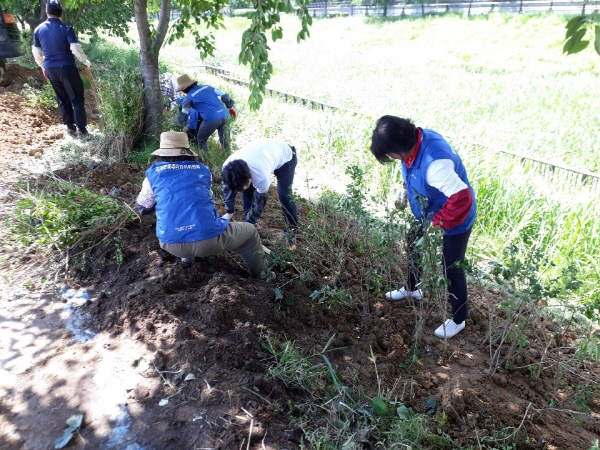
column 498, row 79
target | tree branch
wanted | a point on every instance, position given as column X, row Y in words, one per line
column 164, row 17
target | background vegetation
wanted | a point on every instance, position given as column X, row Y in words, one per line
column 482, row 82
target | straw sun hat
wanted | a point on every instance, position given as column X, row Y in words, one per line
column 184, row 81
column 174, row 143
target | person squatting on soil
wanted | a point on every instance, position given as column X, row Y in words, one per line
column 205, row 104
column 433, row 171
column 54, row 48
column 249, row 170
column 178, row 188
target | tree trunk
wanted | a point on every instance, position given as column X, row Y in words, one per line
column 149, row 51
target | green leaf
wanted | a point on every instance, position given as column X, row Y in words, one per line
column 64, row 438
column 278, row 294
column 597, row 40
column 574, row 42
column 430, row 405
column 574, row 24
column 75, row 421
column 143, row 364
column 404, row 412
column 379, row 407
column 580, row 46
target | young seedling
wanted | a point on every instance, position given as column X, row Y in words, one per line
column 73, row 425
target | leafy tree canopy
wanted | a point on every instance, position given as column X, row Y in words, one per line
column 197, row 18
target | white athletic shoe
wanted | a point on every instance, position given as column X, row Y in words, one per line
column 449, row 329
column 402, row 294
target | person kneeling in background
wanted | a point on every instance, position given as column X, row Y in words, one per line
column 178, row 188
column 249, row 171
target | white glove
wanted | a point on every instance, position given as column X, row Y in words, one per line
column 227, row 216
column 402, row 201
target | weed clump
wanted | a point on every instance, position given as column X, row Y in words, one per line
column 62, row 214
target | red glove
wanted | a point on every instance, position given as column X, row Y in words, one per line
column 233, row 112
column 44, row 72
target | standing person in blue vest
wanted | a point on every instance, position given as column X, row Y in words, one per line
column 432, row 171
column 55, row 47
column 178, row 188
column 213, row 106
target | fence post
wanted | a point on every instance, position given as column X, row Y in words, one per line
column 422, row 9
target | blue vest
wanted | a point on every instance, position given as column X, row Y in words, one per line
column 192, row 120
column 207, row 103
column 55, row 38
column 185, row 211
column 420, row 194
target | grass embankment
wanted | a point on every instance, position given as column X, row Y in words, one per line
column 500, row 81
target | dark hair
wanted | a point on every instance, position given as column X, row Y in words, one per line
column 236, row 174
column 187, row 89
column 175, row 158
column 392, row 135
column 54, row 8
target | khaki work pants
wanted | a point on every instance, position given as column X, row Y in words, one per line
column 239, row 236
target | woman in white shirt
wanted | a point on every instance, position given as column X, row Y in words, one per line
column 249, row 170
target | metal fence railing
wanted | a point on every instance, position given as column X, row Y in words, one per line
column 348, row 8
column 568, row 176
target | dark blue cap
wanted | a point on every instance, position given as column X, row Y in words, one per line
column 54, row 8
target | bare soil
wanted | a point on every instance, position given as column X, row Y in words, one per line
column 209, row 320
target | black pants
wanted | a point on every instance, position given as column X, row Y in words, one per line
column 454, row 250
column 206, row 129
column 67, row 85
column 285, row 180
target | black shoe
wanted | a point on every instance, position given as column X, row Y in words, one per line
column 71, row 130
column 82, row 133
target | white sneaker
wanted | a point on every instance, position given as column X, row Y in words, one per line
column 402, row 293
column 449, row 329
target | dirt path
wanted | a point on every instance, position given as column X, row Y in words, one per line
column 158, row 355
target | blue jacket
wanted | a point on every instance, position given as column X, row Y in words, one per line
column 55, row 37
column 205, row 100
column 420, row 194
column 185, row 211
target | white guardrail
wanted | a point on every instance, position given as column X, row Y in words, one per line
column 347, row 8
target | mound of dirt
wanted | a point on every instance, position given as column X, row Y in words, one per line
column 209, row 319
column 26, row 130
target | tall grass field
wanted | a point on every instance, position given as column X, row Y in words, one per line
column 488, row 84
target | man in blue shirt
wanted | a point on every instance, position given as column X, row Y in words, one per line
column 54, row 48
column 213, row 106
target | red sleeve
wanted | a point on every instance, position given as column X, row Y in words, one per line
column 455, row 210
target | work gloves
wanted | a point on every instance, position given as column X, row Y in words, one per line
column 233, row 112
column 402, row 201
